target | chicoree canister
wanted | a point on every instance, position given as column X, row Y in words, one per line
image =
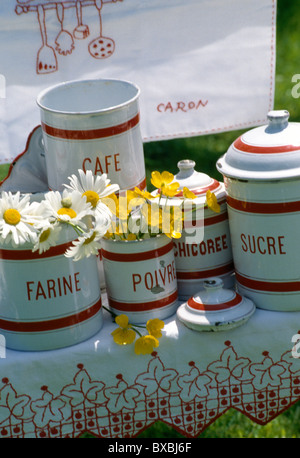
column 261, row 172
column 204, row 248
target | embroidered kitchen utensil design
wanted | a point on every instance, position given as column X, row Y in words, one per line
column 100, row 47
column 64, row 40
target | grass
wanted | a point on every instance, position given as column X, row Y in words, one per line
column 205, row 150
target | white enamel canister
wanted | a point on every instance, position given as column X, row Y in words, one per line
column 204, row 249
column 140, row 278
column 47, row 300
column 93, row 125
column 262, row 177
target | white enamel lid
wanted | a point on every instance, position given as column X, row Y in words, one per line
column 215, row 308
column 214, row 298
column 197, row 182
column 268, row 152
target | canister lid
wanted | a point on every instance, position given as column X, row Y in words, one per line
column 197, row 182
column 215, row 308
column 267, row 152
column 214, row 297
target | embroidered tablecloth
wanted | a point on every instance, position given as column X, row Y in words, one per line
column 188, row 382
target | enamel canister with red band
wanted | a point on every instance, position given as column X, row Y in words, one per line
column 48, row 301
column 140, row 277
column 262, row 177
column 93, row 125
column 204, row 248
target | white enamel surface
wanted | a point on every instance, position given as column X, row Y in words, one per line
column 189, row 177
column 141, row 281
column 219, row 321
column 88, row 97
column 264, row 240
column 214, row 293
column 269, row 166
column 208, row 247
column 48, row 289
column 84, row 106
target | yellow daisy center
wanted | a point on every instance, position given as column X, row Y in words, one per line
column 45, row 235
column 67, row 211
column 91, row 197
column 90, row 239
column 12, row 216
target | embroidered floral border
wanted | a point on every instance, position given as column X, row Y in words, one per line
column 189, row 402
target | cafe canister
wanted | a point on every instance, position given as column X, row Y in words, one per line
column 261, row 172
column 93, row 125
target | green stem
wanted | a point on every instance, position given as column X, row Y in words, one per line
column 76, row 228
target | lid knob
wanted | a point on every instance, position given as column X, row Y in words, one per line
column 186, row 168
column 278, row 119
column 213, row 283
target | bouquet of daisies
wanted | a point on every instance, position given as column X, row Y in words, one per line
column 39, row 223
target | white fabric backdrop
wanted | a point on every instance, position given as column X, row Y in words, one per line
column 203, row 66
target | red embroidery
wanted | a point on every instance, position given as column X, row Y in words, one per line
column 100, row 47
column 184, row 107
column 188, row 401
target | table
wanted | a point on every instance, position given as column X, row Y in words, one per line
column 189, row 381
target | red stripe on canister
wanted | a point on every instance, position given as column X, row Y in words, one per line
column 264, row 285
column 29, row 255
column 206, row 221
column 130, row 257
column 141, row 185
column 142, row 306
column 222, row 270
column 214, row 307
column 199, row 191
column 91, row 134
column 51, row 325
column 263, row 207
column 240, row 145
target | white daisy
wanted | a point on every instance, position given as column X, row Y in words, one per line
column 48, row 237
column 68, row 207
column 85, row 246
column 90, row 242
column 94, row 188
column 18, row 219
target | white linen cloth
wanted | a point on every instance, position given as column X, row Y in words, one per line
column 203, row 66
column 188, row 382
